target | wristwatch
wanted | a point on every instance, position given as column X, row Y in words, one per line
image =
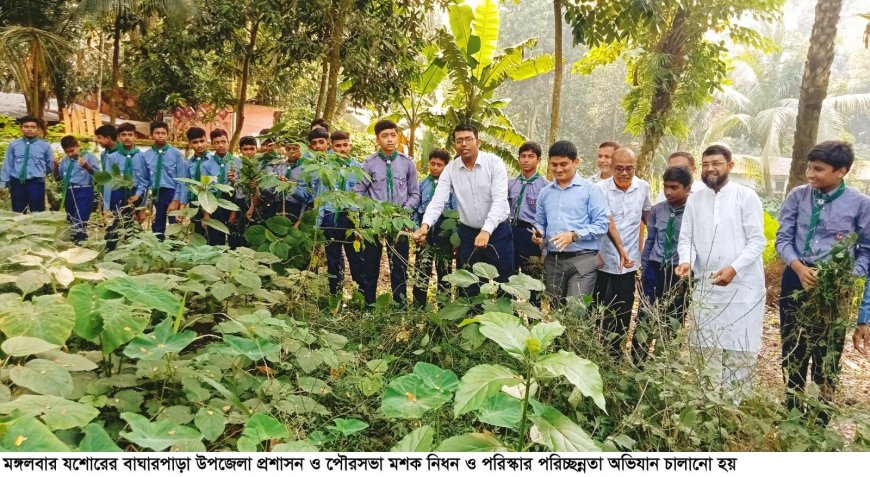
column 574, row 236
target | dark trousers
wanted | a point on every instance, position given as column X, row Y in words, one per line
column 397, row 253
column 524, row 252
column 799, row 344
column 666, row 297
column 78, row 204
column 291, row 210
column 617, row 293
column 437, row 250
column 213, row 236
column 29, row 195
column 161, row 206
column 338, row 244
column 237, row 229
column 498, row 253
column 123, row 214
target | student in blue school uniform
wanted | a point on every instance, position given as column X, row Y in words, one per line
column 392, row 177
column 437, row 249
column 122, row 201
column 224, row 167
column 198, row 166
column 336, row 223
column 302, row 197
column 28, row 160
column 813, row 218
column 75, row 172
column 107, row 137
column 523, row 198
column 165, row 164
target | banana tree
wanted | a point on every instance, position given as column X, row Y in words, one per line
column 477, row 68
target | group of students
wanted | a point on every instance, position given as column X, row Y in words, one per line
column 588, row 232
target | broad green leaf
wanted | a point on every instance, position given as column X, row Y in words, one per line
column 140, row 293
column 419, row 440
column 280, row 225
column 485, row 270
column 228, row 264
column 547, row 332
column 226, row 393
column 47, row 317
column 486, row 26
column 531, row 67
column 507, row 332
column 62, row 275
column 96, row 439
column 69, row 362
column 313, row 385
column 5, row 393
column 255, row 349
column 29, row 435
column 25, row 345
column 178, row 414
column 78, row 255
column 408, row 397
column 308, row 359
column 127, row 400
column 210, row 422
column 348, row 427
column 460, row 16
column 31, row 280
column 223, row 290
column 578, row 371
column 255, row 235
column 437, row 378
column 248, row 279
column 501, row 410
column 207, row 201
column 158, row 435
column 559, row 433
column 370, row 385
column 43, row 377
column 159, row 342
column 453, row 311
column 462, row 278
column 295, row 404
column 85, row 303
column 473, row 442
column 261, row 427
column 225, row 204
column 121, row 323
column 56, row 412
column 294, row 446
column 479, row 384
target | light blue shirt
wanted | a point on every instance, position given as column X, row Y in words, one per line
column 627, row 208
column 305, row 190
column 173, row 166
column 39, row 164
column 355, row 175
column 78, row 175
column 864, row 309
column 104, row 166
column 578, row 208
column 129, row 164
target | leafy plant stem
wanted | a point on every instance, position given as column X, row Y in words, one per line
column 523, row 421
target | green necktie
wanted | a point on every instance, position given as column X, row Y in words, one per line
column 222, row 175
column 128, row 165
column 819, row 201
column 66, row 179
column 389, row 160
column 22, row 174
column 670, row 234
column 519, row 204
column 159, row 171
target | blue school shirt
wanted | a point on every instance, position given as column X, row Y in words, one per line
column 427, row 191
column 305, row 190
column 352, row 179
column 528, row 209
column 864, row 309
column 132, row 164
column 78, row 175
column 104, row 166
column 173, row 166
column 39, row 162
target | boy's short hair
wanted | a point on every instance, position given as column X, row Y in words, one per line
column 321, row 123
column 685, row 154
column 317, row 133
column 615, row 145
column 107, row 130
column 837, row 154
column 159, row 125
column 126, row 127
column 216, row 133
column 440, row 154
column 383, row 125
column 248, row 141
column 677, row 174
column 30, row 119
column 533, row 147
column 68, row 141
column 563, row 149
column 465, row 127
column 717, row 150
column 339, row 136
column 195, row 132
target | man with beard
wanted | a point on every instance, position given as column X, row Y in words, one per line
column 721, row 242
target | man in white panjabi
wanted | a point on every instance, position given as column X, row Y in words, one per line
column 721, row 243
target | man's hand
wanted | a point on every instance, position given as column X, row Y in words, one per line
column 724, row 276
column 232, row 219
column 683, row 270
column 174, row 205
column 250, row 213
column 133, row 200
column 562, row 240
column 420, row 235
column 231, row 175
column 861, row 338
column 807, row 275
column 537, row 237
column 482, row 239
column 625, row 260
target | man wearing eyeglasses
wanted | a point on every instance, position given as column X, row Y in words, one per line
column 628, row 202
column 721, row 242
column 480, row 189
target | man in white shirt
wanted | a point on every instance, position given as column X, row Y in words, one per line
column 479, row 184
column 721, row 242
column 605, row 156
column 686, row 161
column 628, row 202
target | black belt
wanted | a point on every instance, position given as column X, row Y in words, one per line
column 524, row 224
column 570, row 254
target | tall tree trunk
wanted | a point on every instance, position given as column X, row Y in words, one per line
column 766, row 176
column 557, row 73
column 672, row 46
column 243, row 84
column 335, row 59
column 116, row 68
column 321, row 92
column 814, row 87
column 100, row 79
